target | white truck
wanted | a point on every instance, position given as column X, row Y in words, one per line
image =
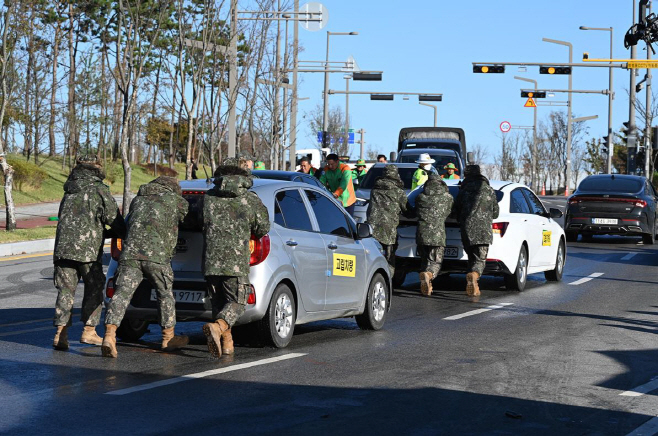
column 316, row 155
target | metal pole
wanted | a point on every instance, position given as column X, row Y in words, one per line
column 533, row 160
column 647, row 127
column 347, row 113
column 325, row 96
column 232, row 79
column 569, row 128
column 630, row 138
column 361, row 141
column 433, row 107
column 276, row 143
column 611, row 146
column 293, row 111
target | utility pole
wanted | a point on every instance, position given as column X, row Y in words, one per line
column 293, row 111
column 631, row 136
column 276, row 144
column 232, row 79
column 361, row 141
column 533, row 160
column 647, row 127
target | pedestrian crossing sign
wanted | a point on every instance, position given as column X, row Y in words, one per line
column 530, row 103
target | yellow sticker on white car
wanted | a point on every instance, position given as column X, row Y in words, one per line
column 344, row 265
column 546, row 238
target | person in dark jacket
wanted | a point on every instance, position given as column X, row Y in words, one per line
column 85, row 211
column 433, row 206
column 387, row 202
column 476, row 207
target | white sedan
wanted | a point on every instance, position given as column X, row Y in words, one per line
column 526, row 239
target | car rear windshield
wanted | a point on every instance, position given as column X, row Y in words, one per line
column 441, row 161
column 433, row 144
column 608, row 184
column 406, row 174
column 453, row 189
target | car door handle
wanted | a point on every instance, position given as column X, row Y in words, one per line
column 291, row 243
column 332, row 246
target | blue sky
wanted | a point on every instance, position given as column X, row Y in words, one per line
column 428, row 46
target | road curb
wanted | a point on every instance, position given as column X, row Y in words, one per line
column 27, row 247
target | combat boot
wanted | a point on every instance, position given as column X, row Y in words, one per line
column 171, row 342
column 426, row 283
column 109, row 347
column 61, row 341
column 89, row 336
column 227, row 343
column 472, row 288
column 213, row 332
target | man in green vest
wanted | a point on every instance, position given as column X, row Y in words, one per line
column 451, row 169
column 424, row 167
column 359, row 173
column 337, row 177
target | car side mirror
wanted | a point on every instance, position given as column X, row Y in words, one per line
column 363, row 230
column 555, row 213
column 470, row 158
column 392, row 156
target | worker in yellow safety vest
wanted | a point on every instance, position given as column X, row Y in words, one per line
column 424, row 167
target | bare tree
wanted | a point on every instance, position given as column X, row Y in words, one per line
column 336, row 126
column 508, row 161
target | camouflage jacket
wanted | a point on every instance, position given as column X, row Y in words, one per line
column 153, row 221
column 433, row 206
column 85, row 210
column 475, row 208
column 231, row 215
column 387, row 202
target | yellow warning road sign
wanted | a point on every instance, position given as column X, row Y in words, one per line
column 530, row 103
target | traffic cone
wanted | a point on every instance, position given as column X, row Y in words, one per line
column 543, row 189
column 566, row 191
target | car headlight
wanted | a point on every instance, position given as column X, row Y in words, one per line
column 361, row 202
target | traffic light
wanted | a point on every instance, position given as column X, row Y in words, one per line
column 381, row 96
column 604, row 145
column 425, row 97
column 533, row 94
column 554, row 70
column 494, row 69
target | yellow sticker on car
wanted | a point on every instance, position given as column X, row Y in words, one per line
column 344, row 265
column 546, row 238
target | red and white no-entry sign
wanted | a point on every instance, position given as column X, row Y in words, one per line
column 505, row 126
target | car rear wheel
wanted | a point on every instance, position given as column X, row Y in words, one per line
column 277, row 326
column 555, row 275
column 374, row 314
column 571, row 236
column 131, row 330
column 649, row 238
column 517, row 280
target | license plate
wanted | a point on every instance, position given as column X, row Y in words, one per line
column 451, row 252
column 183, row 296
column 604, row 221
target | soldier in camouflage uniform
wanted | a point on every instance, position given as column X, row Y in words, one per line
column 231, row 215
column 433, row 206
column 387, row 202
column 476, row 207
column 147, row 251
column 85, row 210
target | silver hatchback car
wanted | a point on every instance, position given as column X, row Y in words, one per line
column 315, row 264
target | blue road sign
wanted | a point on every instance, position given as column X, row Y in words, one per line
column 338, row 140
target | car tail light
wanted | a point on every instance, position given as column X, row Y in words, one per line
column 115, row 248
column 259, row 249
column 109, row 290
column 635, row 201
column 640, row 203
column 252, row 295
column 499, row 228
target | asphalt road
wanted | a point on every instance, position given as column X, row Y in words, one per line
column 570, row 358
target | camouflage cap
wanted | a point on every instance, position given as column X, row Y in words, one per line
column 391, row 171
column 168, row 182
column 472, row 170
column 90, row 161
column 244, row 155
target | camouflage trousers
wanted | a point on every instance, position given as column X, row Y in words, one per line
column 129, row 276
column 477, row 257
column 431, row 258
column 229, row 297
column 66, row 277
column 389, row 254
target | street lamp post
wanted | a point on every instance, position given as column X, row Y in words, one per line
column 433, row 106
column 325, row 114
column 611, row 95
column 568, row 172
column 533, row 172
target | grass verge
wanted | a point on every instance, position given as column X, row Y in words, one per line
column 20, row 235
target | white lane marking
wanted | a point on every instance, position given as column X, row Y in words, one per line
column 629, row 256
column 203, row 374
column 478, row 311
column 586, row 279
column 648, row 428
column 641, row 390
